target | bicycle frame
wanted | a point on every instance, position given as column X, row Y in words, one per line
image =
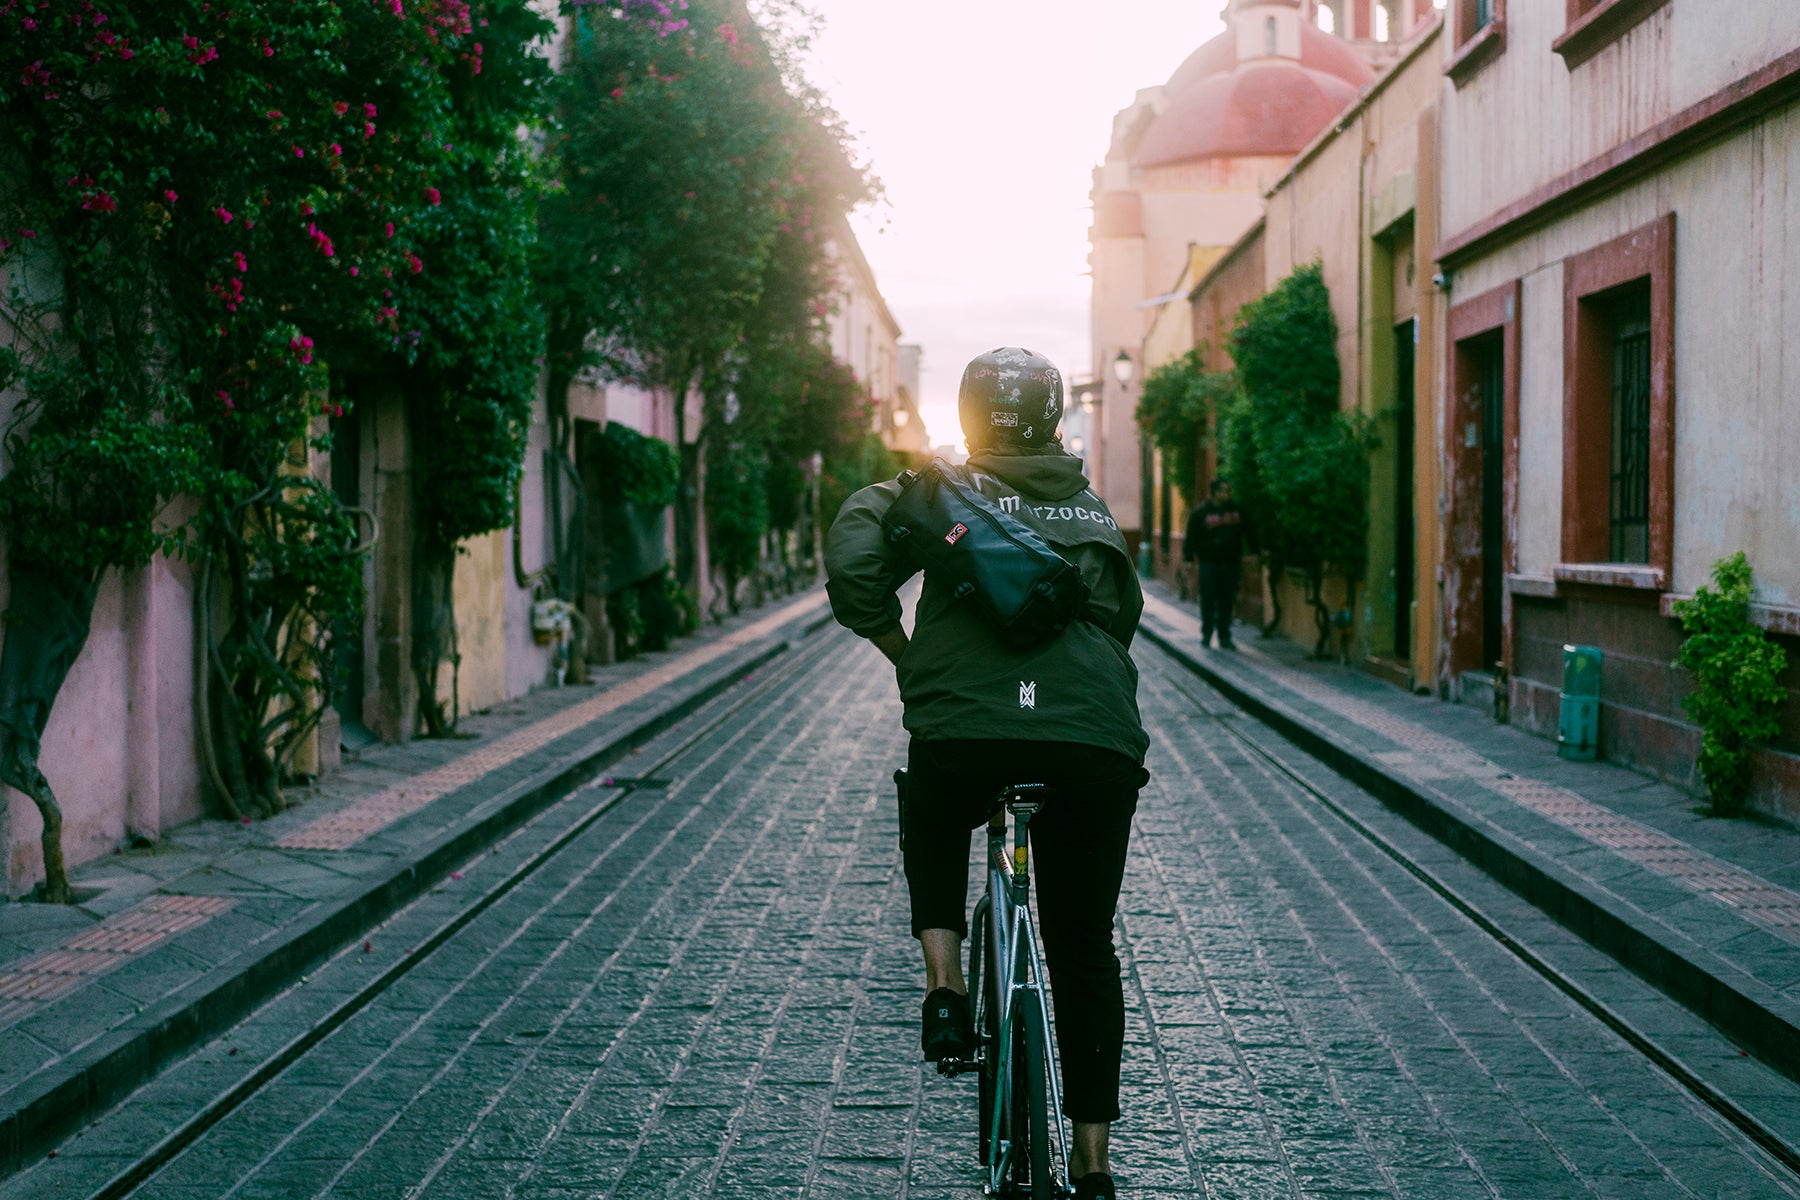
column 1019, row 971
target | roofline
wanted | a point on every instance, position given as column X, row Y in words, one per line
column 1230, row 256
column 861, row 260
column 1361, row 105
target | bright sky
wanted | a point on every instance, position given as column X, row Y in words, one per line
column 984, row 120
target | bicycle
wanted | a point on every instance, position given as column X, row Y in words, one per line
column 1021, row 1139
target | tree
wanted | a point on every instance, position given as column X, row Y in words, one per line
column 209, row 196
column 1300, row 465
column 1180, row 402
column 683, row 247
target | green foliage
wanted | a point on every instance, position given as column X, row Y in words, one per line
column 864, row 461
column 1737, row 696
column 685, row 242
column 1299, row 465
column 737, row 505
column 208, row 198
column 1176, row 410
column 637, row 469
column 1285, row 344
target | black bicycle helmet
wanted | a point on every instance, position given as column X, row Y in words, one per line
column 1010, row 397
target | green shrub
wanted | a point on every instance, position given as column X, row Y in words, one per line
column 1737, row 694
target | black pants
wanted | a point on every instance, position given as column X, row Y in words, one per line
column 1078, row 847
column 1218, row 596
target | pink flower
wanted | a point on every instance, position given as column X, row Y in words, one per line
column 237, row 256
column 35, row 75
column 394, row 7
column 301, row 347
column 369, row 111
column 818, row 310
column 28, row 233
column 617, row 92
column 432, row 196
column 223, row 216
column 306, row 208
column 354, row 272
column 299, row 153
column 689, row 195
column 412, row 260
column 340, row 107
column 268, row 50
column 368, row 129
column 171, row 197
column 337, row 151
column 390, row 229
column 729, row 32
column 99, row 202
column 224, row 398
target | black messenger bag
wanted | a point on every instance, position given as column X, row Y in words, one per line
column 1026, row 590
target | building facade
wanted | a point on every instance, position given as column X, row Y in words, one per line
column 1187, row 166
column 1619, row 255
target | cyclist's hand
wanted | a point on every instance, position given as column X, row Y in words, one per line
column 892, row 643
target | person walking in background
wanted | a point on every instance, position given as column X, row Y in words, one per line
column 1215, row 539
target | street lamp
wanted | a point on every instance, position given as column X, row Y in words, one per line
column 1124, row 370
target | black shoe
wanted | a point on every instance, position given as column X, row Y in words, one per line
column 1205, row 636
column 948, row 1031
column 1095, row 1187
column 1227, row 644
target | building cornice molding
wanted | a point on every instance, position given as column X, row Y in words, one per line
column 1692, row 129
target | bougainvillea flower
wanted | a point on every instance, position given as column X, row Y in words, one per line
column 222, row 214
column 340, row 107
column 237, row 257
column 170, row 196
column 432, row 196
column 337, row 151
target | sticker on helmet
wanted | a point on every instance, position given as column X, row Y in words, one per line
column 1006, row 418
column 956, row 533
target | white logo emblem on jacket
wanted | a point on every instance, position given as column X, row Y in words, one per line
column 1028, row 694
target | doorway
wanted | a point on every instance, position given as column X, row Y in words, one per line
column 1491, row 366
column 1405, row 342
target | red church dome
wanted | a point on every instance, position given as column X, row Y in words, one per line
column 1219, row 107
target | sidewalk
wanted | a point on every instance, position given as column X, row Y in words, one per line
column 173, row 942
column 1707, row 910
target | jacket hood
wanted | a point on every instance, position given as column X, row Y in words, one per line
column 1053, row 475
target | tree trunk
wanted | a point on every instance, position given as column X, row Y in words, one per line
column 434, row 636
column 46, row 627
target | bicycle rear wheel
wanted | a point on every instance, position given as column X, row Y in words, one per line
column 981, row 970
column 1034, row 1097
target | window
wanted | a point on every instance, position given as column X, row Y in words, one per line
column 1383, row 29
column 1327, row 19
column 1630, row 509
column 1480, row 30
column 1595, row 24
column 1269, row 37
column 1619, row 410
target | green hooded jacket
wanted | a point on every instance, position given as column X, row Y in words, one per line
column 958, row 679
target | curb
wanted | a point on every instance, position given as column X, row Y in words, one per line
column 1740, row 1006
column 44, row 1109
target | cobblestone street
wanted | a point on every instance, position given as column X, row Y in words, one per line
column 710, row 992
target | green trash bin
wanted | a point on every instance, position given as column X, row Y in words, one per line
column 1578, row 731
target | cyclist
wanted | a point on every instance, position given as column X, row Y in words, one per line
column 984, row 714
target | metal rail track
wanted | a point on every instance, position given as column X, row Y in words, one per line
column 1747, row 1123
column 196, row 1126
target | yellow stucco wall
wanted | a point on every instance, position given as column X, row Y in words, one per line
column 479, row 596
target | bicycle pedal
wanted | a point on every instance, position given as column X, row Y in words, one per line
column 950, row 1068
